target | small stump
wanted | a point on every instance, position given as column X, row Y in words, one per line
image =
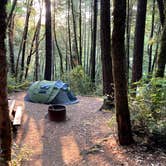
column 57, row 113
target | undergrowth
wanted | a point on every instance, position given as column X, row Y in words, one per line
column 20, row 155
column 16, row 86
column 79, row 81
column 148, row 110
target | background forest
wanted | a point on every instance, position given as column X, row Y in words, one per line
column 79, row 52
column 76, row 48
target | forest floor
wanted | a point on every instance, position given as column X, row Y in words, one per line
column 84, row 139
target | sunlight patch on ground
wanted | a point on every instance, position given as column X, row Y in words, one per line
column 36, row 136
column 70, row 149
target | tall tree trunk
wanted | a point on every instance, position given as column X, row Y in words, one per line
column 47, row 75
column 69, row 34
column 119, row 74
column 67, row 64
column 80, row 28
column 93, row 46
column 139, row 41
column 11, row 45
column 30, row 2
column 5, row 128
column 59, row 52
column 161, row 11
column 14, row 4
column 155, row 57
column 37, row 42
column 75, row 44
column 32, row 51
column 150, row 37
column 156, row 50
column 106, row 48
column 162, row 55
column 88, row 42
column 128, row 33
column 85, row 38
column 37, row 66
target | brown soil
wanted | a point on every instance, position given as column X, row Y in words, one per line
column 84, row 139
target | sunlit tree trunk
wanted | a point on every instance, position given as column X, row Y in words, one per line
column 69, row 33
column 75, row 55
column 80, row 36
column 156, row 51
column 14, row 4
column 5, row 128
column 59, row 52
column 119, row 74
column 128, row 34
column 11, row 45
column 33, row 44
column 37, row 42
column 48, row 32
column 29, row 8
column 150, row 46
column 85, row 38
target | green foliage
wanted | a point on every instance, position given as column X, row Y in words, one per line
column 79, row 82
column 16, row 86
column 148, row 109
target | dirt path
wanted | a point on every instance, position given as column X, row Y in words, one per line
column 71, row 143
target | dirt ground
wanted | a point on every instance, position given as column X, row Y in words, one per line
column 84, row 139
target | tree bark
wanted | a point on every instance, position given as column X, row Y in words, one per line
column 29, row 7
column 161, row 11
column 69, row 34
column 150, row 37
column 48, row 66
column 85, row 38
column 14, row 4
column 162, row 55
column 80, row 28
column 93, row 46
column 32, row 51
column 37, row 42
column 139, row 41
column 106, row 48
column 75, row 44
column 37, row 65
column 59, row 52
column 5, row 128
column 156, row 51
column 11, row 45
column 119, row 74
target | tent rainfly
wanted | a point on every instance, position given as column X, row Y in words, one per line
column 50, row 92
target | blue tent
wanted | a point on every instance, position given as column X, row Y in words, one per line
column 50, row 92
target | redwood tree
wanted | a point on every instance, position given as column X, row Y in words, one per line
column 106, row 48
column 25, row 36
column 93, row 45
column 5, row 130
column 139, row 41
column 48, row 32
column 162, row 55
column 119, row 74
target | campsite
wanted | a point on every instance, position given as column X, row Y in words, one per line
column 82, row 83
column 85, row 138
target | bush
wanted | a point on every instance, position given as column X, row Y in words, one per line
column 79, row 81
column 148, row 109
column 14, row 86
